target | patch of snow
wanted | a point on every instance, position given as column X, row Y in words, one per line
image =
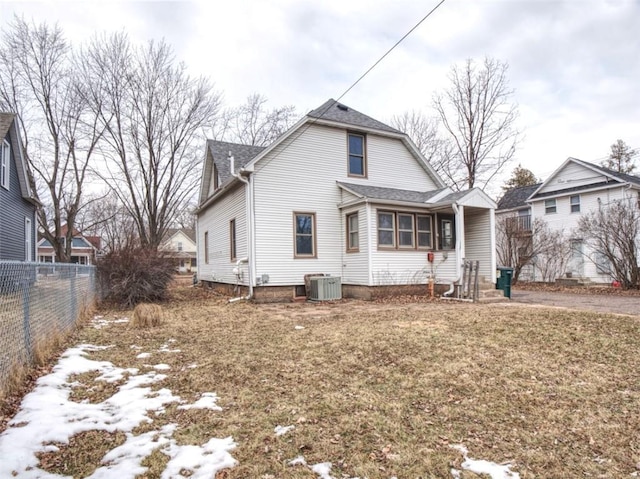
column 47, row 415
column 206, row 401
column 281, row 430
column 165, row 349
column 300, row 460
column 480, row 466
column 143, row 355
column 133, row 346
column 323, row 470
column 455, row 474
column 162, row 367
column 192, row 366
column 299, row 327
column 98, row 322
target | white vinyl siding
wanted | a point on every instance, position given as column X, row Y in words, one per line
column 215, row 223
column 478, row 242
column 572, row 176
column 300, row 175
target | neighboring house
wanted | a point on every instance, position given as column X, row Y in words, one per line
column 338, row 194
column 514, row 231
column 180, row 244
column 18, row 206
column 84, row 249
column 575, row 188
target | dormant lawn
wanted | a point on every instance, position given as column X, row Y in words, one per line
column 404, row 389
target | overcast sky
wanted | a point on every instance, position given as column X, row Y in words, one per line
column 574, row 65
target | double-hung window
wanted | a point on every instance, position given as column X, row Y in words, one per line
column 424, row 231
column 353, row 240
column 549, row 206
column 5, row 162
column 575, row 203
column 206, row 247
column 386, row 229
column 304, row 231
column 404, row 230
column 357, row 157
column 446, row 234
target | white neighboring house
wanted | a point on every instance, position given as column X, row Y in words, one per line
column 338, row 194
column 575, row 188
column 180, row 244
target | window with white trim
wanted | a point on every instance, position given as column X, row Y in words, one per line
column 28, row 240
column 550, row 206
column 353, row 227
column 5, row 164
column 575, row 203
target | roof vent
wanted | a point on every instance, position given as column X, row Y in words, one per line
column 342, row 107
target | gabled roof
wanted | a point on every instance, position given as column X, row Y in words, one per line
column 9, row 125
column 330, row 113
column 188, row 232
column 616, row 177
column 516, row 197
column 331, row 110
column 389, row 194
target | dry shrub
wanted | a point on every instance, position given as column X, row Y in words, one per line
column 135, row 275
column 147, row 315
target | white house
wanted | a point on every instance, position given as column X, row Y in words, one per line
column 338, row 194
column 180, row 244
column 574, row 188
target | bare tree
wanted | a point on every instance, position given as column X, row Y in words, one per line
column 58, row 129
column 621, row 158
column 479, row 119
column 423, row 130
column 253, row 123
column 154, row 116
column 613, row 232
column 553, row 253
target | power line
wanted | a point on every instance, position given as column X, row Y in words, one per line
column 322, row 113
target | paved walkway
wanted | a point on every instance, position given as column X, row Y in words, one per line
column 589, row 302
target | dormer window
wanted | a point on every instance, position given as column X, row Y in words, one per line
column 216, row 177
column 357, row 157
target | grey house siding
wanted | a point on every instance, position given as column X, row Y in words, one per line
column 13, row 211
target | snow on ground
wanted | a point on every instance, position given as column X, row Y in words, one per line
column 282, row 430
column 49, row 415
column 480, row 466
column 99, row 322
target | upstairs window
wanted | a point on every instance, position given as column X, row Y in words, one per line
column 304, row 235
column 575, row 203
column 5, row 161
column 179, row 245
column 549, row 206
column 357, row 158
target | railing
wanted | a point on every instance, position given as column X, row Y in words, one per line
column 519, row 223
column 38, row 302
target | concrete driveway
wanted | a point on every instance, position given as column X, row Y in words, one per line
column 588, row 302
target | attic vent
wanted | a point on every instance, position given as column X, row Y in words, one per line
column 342, row 107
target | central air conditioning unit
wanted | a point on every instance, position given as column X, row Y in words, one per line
column 325, row 288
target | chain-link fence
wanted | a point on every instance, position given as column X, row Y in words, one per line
column 37, row 302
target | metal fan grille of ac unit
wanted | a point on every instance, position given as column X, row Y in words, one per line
column 325, row 288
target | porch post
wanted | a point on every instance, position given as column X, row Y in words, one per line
column 492, row 227
column 460, row 242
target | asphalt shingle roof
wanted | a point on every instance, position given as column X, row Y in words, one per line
column 334, row 111
column 621, row 176
column 242, row 155
column 393, row 194
column 515, row 197
column 5, row 123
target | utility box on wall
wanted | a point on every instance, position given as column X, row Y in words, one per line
column 325, row 288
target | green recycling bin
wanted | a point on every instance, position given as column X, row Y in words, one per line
column 503, row 280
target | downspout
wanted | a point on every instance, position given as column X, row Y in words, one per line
column 452, row 286
column 249, row 226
